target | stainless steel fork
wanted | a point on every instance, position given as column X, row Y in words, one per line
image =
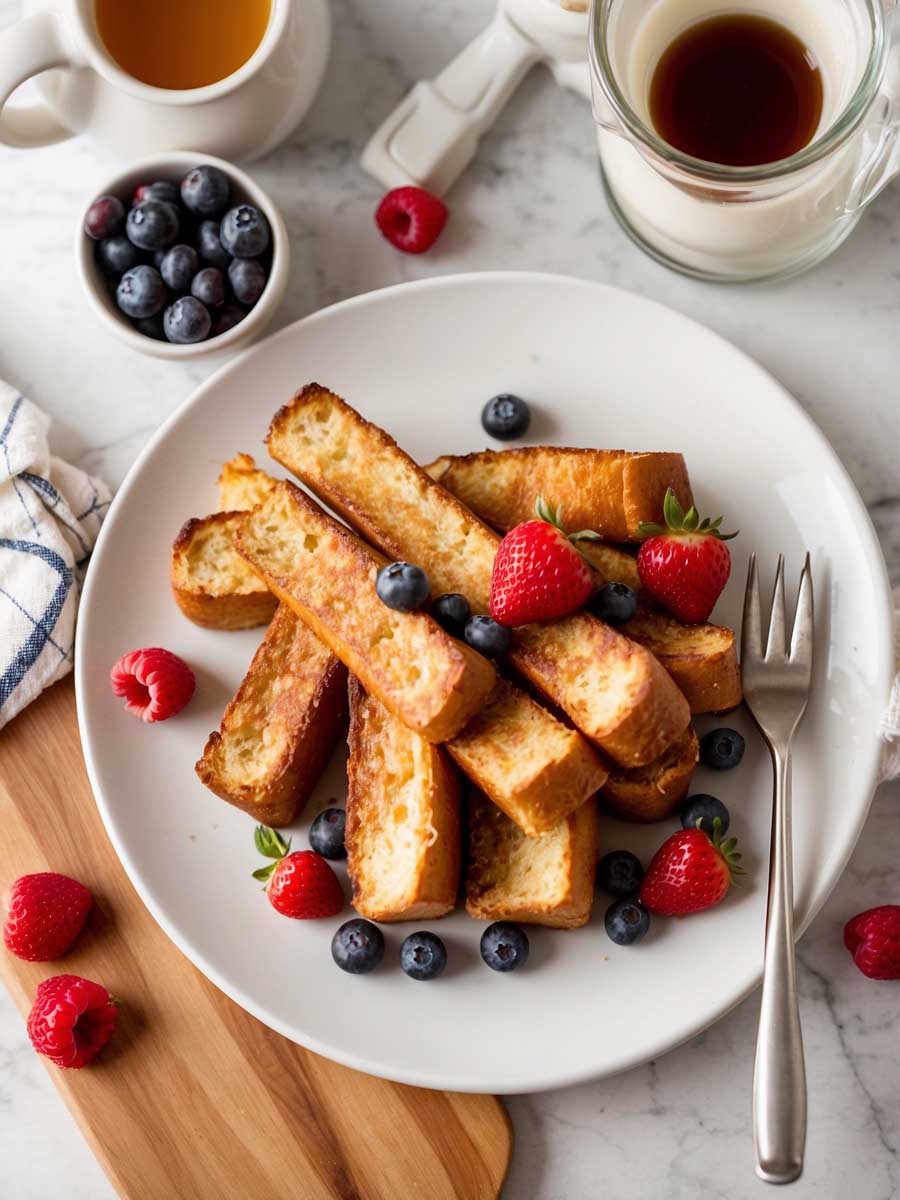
column 776, row 688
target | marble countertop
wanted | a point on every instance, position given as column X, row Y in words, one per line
column 679, row 1127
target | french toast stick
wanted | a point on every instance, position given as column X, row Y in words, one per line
column 279, row 731
column 429, row 680
column 535, row 768
column 613, row 690
column 609, row 491
column 403, row 820
column 546, row 880
column 242, row 484
column 653, row 792
column 211, row 583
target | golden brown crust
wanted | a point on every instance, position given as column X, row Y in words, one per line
column 403, row 824
column 211, row 584
column 611, row 688
column 617, row 695
column 702, row 659
column 430, row 681
column 653, row 792
column 279, row 731
column 533, row 767
column 242, row 485
column 546, row 880
column 609, row 491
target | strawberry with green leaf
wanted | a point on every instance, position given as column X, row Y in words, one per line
column 690, row 871
column 539, row 573
column 684, row 564
column 300, row 885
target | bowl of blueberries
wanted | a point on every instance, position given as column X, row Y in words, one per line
column 183, row 256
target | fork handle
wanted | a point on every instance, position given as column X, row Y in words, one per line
column 779, row 1077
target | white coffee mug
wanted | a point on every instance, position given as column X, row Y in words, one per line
column 83, row 89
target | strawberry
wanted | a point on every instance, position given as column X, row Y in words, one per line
column 154, row 683
column 684, row 564
column 873, row 938
column 71, row 1020
column 411, row 219
column 45, row 914
column 539, row 573
column 690, row 871
column 301, row 884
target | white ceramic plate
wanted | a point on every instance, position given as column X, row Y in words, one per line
column 602, row 368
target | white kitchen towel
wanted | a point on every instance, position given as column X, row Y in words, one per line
column 50, row 515
column 890, row 722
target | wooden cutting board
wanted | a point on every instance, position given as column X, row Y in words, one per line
column 194, row 1099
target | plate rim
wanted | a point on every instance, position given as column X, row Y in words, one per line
column 464, row 1083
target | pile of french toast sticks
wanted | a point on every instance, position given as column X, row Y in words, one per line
column 456, row 764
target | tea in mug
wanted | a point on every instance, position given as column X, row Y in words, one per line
column 181, row 44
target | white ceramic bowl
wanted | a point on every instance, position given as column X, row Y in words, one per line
column 173, row 166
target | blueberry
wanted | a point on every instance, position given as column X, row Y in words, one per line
column 615, row 603
column 506, row 416
column 205, row 191
column 104, row 218
column 358, row 947
column 161, row 189
column 247, row 277
column 152, row 224
column 245, row 232
column 487, row 636
column 186, row 321
column 626, row 922
column 141, row 292
column 402, row 586
column 452, row 612
column 226, row 318
column 721, row 749
column 210, row 246
column 208, row 286
column 705, row 809
column 116, row 255
column 326, row 834
column 151, row 327
column 504, row 946
column 423, row 955
column 620, row 873
column 178, row 266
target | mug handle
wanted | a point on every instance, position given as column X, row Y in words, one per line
column 33, row 45
column 881, row 157
column 432, row 136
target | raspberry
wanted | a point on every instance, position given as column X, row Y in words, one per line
column 155, row 683
column 45, row 914
column 71, row 1020
column 411, row 219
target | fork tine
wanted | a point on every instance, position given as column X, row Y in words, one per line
column 802, row 636
column 751, row 635
column 776, row 645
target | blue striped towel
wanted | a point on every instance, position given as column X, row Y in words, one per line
column 50, row 515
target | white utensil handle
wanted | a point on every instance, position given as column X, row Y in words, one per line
column 432, row 136
column 27, row 48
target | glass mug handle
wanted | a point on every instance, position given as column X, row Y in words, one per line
column 432, row 136
column 35, row 44
column 881, row 159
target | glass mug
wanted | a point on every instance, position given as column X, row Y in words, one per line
column 742, row 223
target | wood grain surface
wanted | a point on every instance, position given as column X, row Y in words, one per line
column 194, row 1099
